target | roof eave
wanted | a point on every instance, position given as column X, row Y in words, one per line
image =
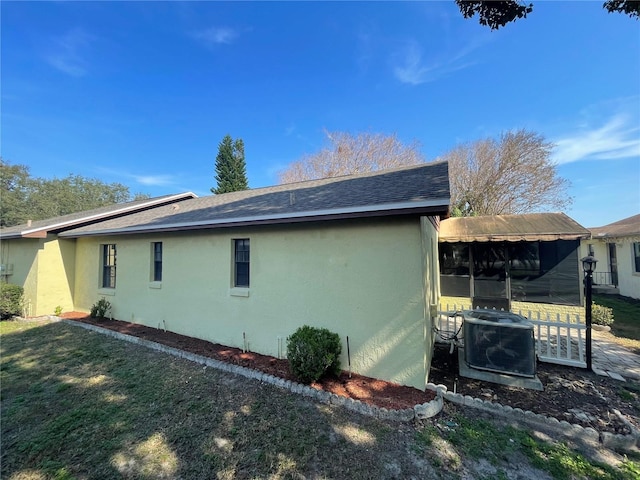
column 513, row 238
column 42, row 232
column 430, row 207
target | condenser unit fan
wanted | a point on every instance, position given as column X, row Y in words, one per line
column 499, row 342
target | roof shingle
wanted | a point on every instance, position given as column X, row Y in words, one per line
column 423, row 188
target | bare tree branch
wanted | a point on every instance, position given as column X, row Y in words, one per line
column 513, row 174
column 347, row 154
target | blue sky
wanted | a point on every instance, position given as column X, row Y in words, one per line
column 142, row 92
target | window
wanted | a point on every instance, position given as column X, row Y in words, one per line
column 109, row 266
column 636, row 257
column 241, row 263
column 156, row 261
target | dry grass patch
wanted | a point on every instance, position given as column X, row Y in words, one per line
column 80, row 405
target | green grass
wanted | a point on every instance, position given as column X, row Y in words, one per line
column 482, row 439
column 626, row 314
column 77, row 404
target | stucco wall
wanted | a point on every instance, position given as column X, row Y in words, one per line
column 23, row 255
column 56, row 275
column 45, row 269
column 628, row 280
column 364, row 279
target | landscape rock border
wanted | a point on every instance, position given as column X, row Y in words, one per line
column 420, row 412
column 536, row 420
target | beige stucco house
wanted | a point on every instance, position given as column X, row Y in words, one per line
column 354, row 254
column 617, row 248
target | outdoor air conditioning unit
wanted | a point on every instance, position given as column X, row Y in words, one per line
column 500, row 342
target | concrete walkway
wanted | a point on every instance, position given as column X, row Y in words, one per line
column 613, row 360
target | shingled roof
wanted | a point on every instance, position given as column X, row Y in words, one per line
column 512, row 228
column 627, row 227
column 417, row 190
column 40, row 228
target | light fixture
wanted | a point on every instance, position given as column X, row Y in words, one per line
column 589, row 264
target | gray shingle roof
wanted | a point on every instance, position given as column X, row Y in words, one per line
column 417, row 189
column 39, row 228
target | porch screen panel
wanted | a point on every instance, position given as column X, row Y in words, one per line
column 489, row 270
column 552, row 277
column 454, row 269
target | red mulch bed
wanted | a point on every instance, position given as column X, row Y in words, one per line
column 368, row 390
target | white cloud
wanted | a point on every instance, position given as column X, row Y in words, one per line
column 618, row 137
column 68, row 52
column 410, row 68
column 154, row 180
column 216, row 35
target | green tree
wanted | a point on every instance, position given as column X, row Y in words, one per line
column 496, row 14
column 231, row 174
column 16, row 185
column 23, row 197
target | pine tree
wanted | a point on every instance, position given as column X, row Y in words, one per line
column 231, row 174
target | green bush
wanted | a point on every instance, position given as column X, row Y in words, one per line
column 101, row 308
column 313, row 352
column 10, row 300
column 601, row 315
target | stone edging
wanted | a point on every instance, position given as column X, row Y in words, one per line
column 536, row 420
column 421, row 411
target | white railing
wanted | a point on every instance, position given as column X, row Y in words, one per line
column 559, row 338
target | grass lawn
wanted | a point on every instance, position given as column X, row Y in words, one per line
column 79, row 405
column 626, row 315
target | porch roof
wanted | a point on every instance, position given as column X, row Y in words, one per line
column 529, row 227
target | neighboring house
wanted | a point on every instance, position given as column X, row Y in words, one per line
column 527, row 263
column 616, row 247
column 354, row 254
column 33, row 256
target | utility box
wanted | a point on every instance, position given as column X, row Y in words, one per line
column 6, row 269
column 500, row 342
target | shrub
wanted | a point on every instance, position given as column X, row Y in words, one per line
column 101, row 308
column 58, row 311
column 313, row 352
column 601, row 315
column 10, row 300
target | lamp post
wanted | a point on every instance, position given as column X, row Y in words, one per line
column 588, row 265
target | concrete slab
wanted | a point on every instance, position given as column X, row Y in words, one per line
column 616, row 376
column 510, row 380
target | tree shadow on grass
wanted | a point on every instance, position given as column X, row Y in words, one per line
column 78, row 404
